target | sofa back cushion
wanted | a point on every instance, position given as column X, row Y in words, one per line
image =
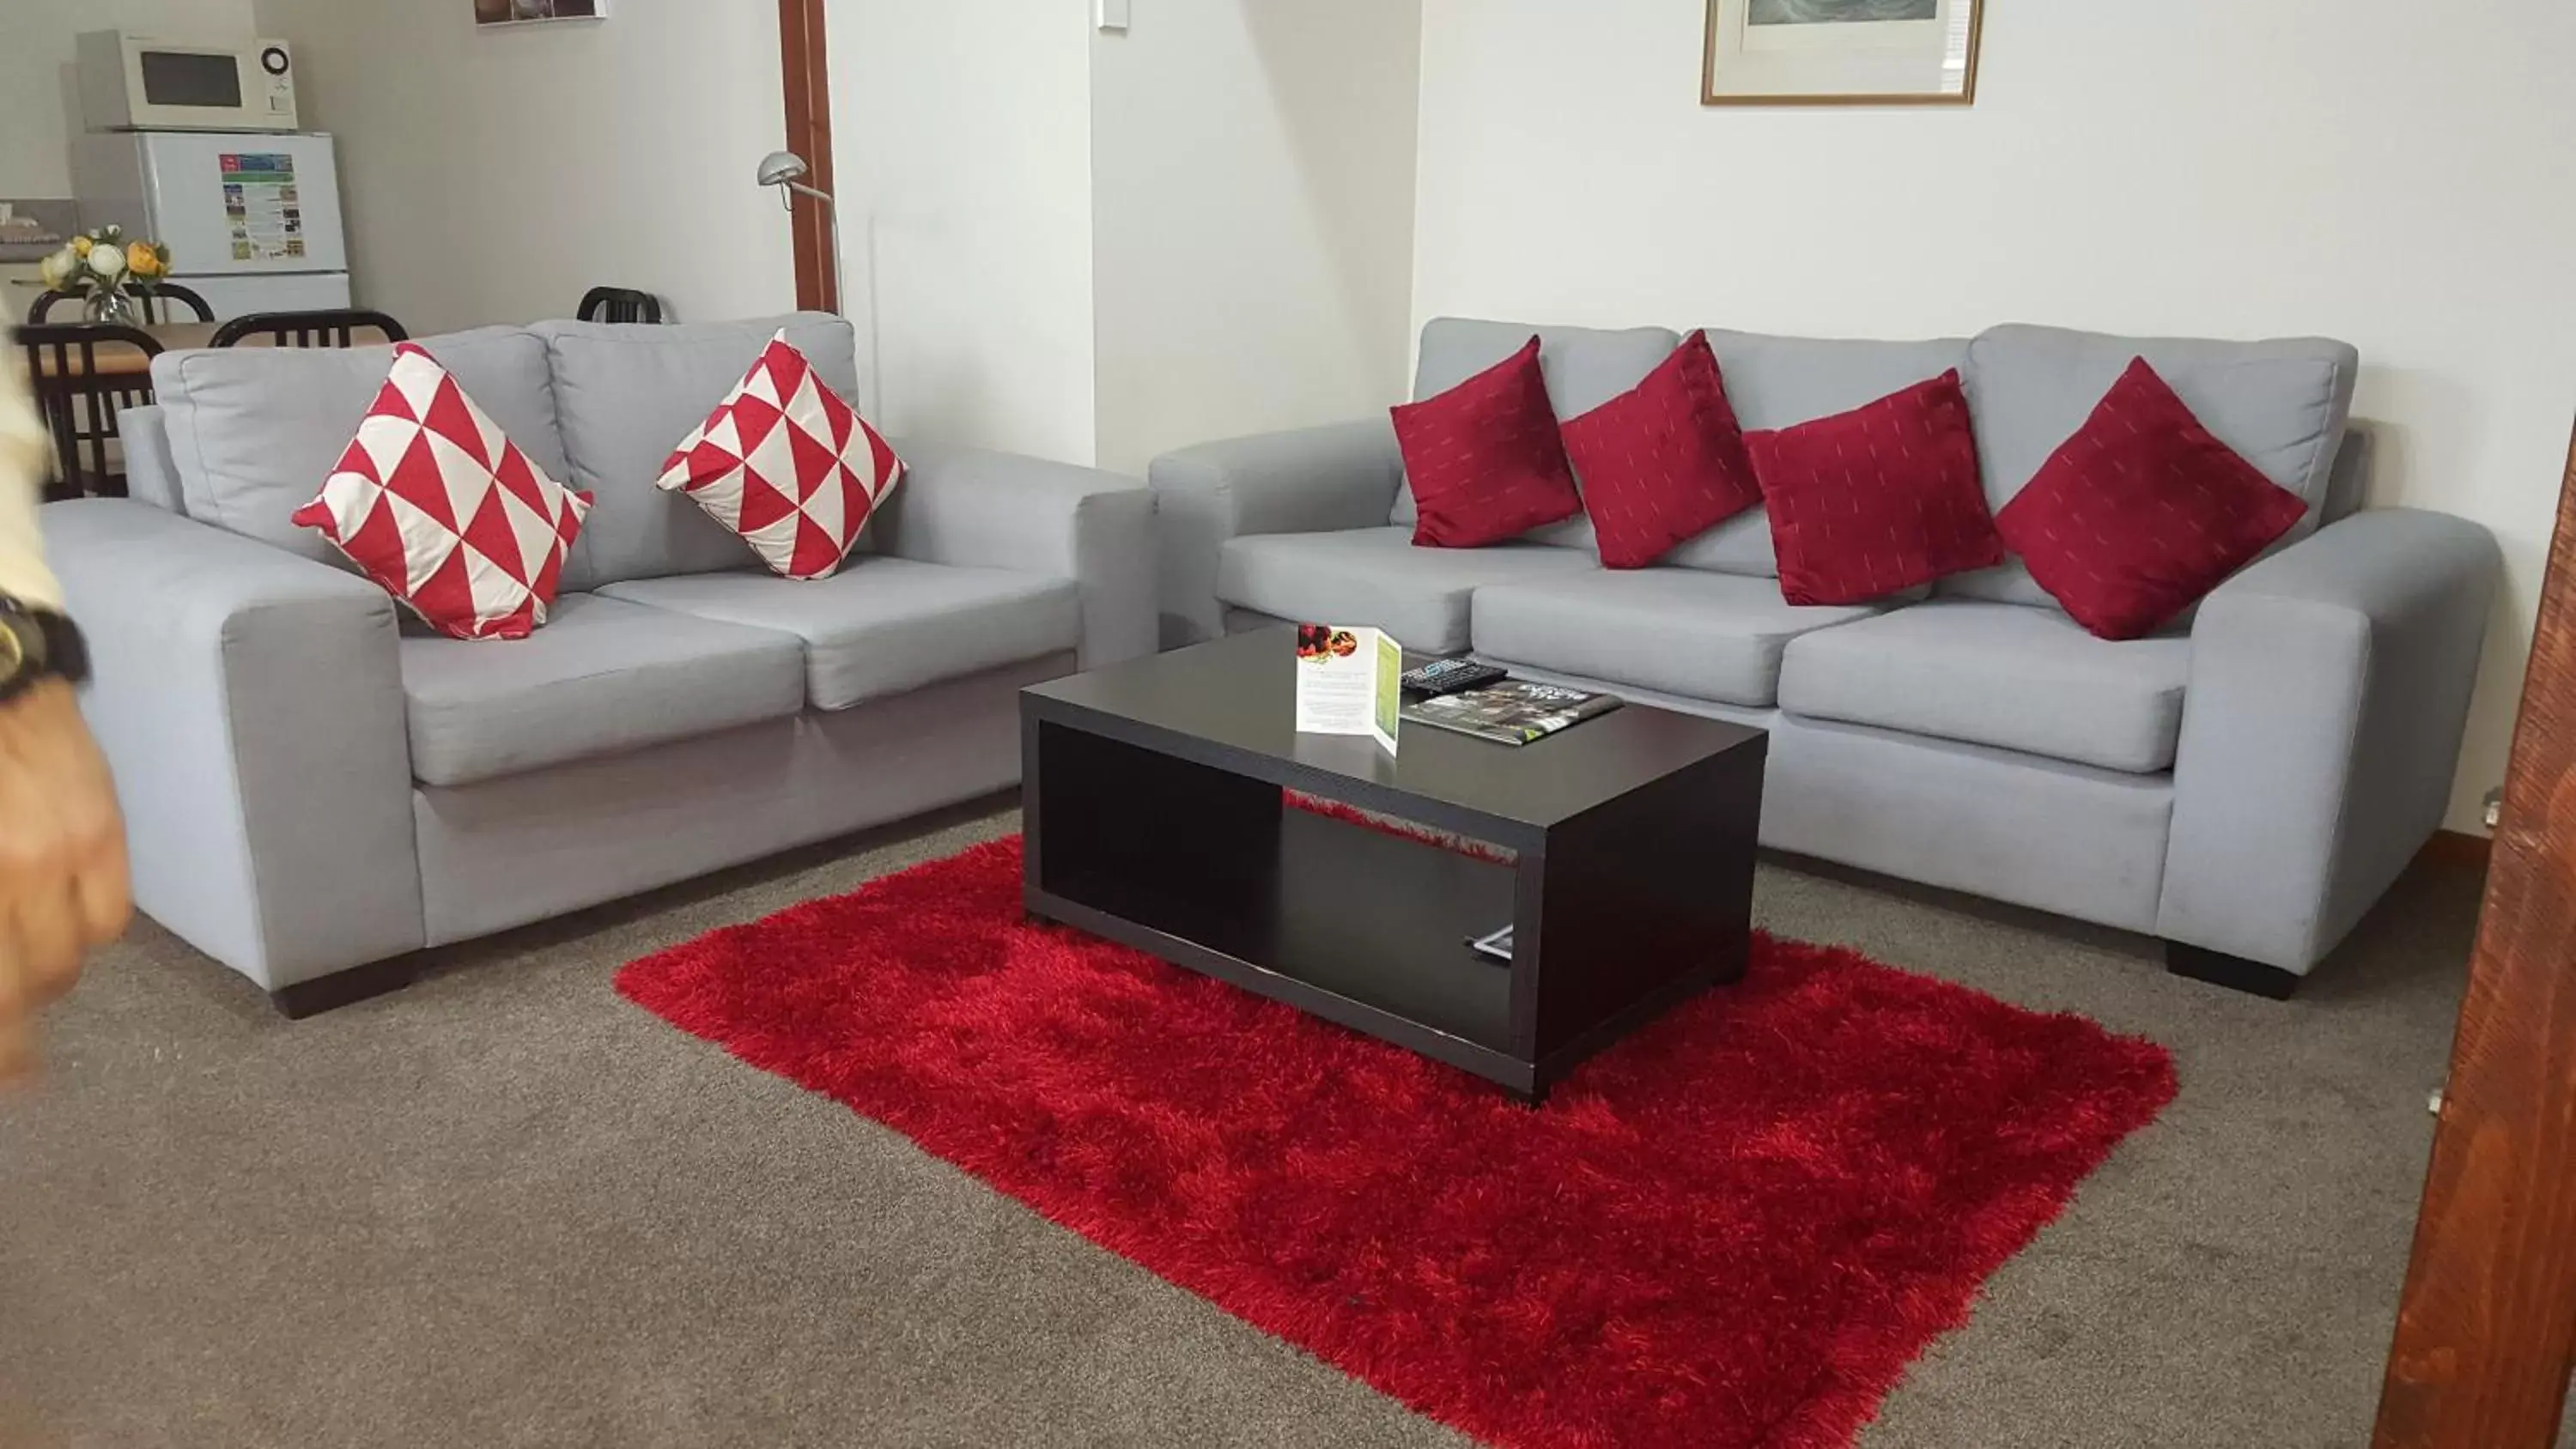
column 2282, row 405
column 627, row 395
column 253, row 431
column 1584, row 366
column 1779, row 382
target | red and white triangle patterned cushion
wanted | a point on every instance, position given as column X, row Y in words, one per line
column 434, row 503
column 785, row 463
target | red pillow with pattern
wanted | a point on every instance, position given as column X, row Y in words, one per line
column 1664, row 461
column 788, row 465
column 2142, row 511
column 1876, row 500
column 1484, row 458
column 442, row 510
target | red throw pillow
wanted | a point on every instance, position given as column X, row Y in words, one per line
column 443, row 511
column 2142, row 511
column 1484, row 458
column 1663, row 461
column 1876, row 500
column 785, row 463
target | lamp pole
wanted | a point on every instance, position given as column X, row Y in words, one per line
column 786, row 170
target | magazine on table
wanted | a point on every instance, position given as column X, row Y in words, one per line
column 1513, row 712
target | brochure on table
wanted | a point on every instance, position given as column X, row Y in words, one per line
column 1349, row 682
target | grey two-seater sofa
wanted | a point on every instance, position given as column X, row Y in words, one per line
column 312, row 782
column 2243, row 785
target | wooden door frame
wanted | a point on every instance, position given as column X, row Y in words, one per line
column 806, row 82
column 2488, row 1322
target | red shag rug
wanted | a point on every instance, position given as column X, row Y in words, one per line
column 1735, row 1228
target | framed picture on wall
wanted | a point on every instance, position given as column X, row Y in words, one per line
column 522, row 12
column 1840, row 53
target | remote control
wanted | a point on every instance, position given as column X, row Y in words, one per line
column 1449, row 676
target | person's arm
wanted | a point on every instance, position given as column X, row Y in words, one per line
column 63, row 884
column 23, row 575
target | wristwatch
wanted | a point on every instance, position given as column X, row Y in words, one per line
column 37, row 645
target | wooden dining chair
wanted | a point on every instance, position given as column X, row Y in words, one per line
column 153, row 303
column 337, row 328
column 82, row 375
column 619, row 304
column 156, row 302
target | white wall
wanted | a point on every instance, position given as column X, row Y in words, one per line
column 962, row 155
column 1252, row 217
column 2368, row 169
column 496, row 175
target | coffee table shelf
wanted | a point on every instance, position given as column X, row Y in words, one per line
column 1352, row 924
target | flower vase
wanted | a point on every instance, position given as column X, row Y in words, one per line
column 111, row 306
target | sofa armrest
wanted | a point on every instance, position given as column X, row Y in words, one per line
column 2321, row 730
column 1001, row 510
column 1313, row 480
column 250, row 704
column 151, row 473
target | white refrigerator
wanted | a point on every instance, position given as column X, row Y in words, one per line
column 252, row 219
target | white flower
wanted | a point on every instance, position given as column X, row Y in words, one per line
column 57, row 269
column 107, row 261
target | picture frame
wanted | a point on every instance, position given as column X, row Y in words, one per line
column 1841, row 52
column 491, row 13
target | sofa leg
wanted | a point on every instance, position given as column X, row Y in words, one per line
column 2233, row 972
column 343, row 988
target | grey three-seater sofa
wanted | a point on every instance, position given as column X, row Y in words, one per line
column 2244, row 785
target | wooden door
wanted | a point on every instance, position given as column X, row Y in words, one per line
column 2485, row 1330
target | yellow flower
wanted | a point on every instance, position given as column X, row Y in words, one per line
column 140, row 260
column 80, row 246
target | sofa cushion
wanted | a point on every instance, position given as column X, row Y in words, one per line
column 1689, row 632
column 254, row 430
column 1484, row 460
column 2282, row 405
column 1878, row 500
column 1377, row 577
column 627, row 395
column 436, row 504
column 1779, row 382
column 1584, row 366
column 1662, row 462
column 2141, row 512
column 2005, row 675
column 885, row 626
column 786, row 463
column 602, row 677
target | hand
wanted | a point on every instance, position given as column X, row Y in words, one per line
column 63, row 885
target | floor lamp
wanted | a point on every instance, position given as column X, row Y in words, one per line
column 786, row 170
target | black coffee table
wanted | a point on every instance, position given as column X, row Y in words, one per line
column 1155, row 818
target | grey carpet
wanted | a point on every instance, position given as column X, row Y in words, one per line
column 507, row 1208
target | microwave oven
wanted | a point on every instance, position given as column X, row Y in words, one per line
column 136, row 83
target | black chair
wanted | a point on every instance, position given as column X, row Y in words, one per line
column 619, row 304
column 309, row 329
column 78, row 393
column 152, row 302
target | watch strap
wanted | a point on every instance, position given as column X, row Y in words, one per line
column 66, row 651
column 61, row 653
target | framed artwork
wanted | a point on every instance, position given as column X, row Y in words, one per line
column 521, row 12
column 1840, row 53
